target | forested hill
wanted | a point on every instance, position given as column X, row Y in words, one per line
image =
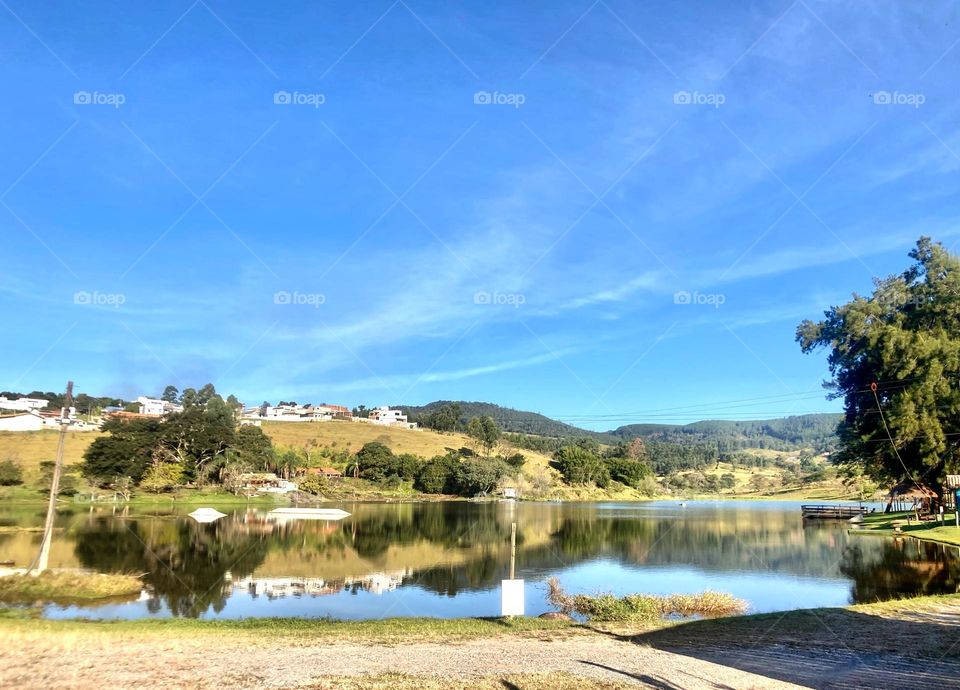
column 510, row 420
column 787, row 433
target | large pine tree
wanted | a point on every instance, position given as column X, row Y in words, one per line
column 905, row 338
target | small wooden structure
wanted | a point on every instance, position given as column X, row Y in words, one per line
column 912, row 495
column 831, row 512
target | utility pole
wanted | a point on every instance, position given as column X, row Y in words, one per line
column 44, row 556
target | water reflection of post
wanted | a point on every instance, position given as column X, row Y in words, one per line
column 513, row 548
column 511, row 591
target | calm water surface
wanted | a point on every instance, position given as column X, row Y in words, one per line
column 447, row 559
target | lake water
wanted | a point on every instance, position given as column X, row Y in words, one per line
column 448, row 559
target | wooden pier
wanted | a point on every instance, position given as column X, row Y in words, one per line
column 831, row 512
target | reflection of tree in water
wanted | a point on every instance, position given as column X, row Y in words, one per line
column 185, row 562
column 902, row 567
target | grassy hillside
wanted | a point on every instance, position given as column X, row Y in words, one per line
column 30, row 448
column 352, row 435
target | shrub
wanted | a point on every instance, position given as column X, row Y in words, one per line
column 374, row 461
column 580, row 466
column 643, row 607
column 405, row 466
column 629, row 472
column 437, row 475
column 479, row 476
column 516, row 460
column 10, row 473
column 315, row 484
column 162, row 476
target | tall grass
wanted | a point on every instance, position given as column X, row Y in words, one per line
column 67, row 587
column 643, row 607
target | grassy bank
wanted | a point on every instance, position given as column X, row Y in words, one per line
column 67, row 587
column 388, row 631
column 862, row 625
column 883, row 525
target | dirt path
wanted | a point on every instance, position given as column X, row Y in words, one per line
column 38, row 662
column 877, row 646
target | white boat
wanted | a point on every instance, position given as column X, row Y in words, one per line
column 308, row 514
column 207, row 515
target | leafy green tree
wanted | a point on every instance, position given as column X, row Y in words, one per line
column 315, row 484
column 253, row 447
column 197, row 437
column 905, row 339
column 578, row 465
column 445, row 418
column 170, row 394
column 436, row 476
column 485, row 432
column 629, row 472
column 479, row 476
column 727, row 481
column 373, row 461
column 125, row 452
column 164, row 474
column 405, row 466
column 10, row 473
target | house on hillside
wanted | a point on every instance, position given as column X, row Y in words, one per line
column 387, row 417
column 23, row 421
column 22, row 404
column 153, row 407
column 265, row 482
column 328, row 472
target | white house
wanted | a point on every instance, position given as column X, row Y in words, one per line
column 387, row 417
column 25, row 421
column 22, row 404
column 157, row 408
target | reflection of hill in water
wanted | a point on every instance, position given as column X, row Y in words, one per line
column 452, row 547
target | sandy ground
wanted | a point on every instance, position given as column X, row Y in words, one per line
column 842, row 648
column 45, row 662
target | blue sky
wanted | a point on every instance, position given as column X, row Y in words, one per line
column 380, row 203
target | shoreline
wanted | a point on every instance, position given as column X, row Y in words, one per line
column 884, row 645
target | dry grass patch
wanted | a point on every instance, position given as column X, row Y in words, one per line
column 67, row 587
column 644, row 607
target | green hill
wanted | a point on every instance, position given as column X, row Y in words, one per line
column 788, row 433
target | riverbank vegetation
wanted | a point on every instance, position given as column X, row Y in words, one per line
column 67, row 587
column 643, row 608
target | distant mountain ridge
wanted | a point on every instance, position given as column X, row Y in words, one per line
column 785, row 433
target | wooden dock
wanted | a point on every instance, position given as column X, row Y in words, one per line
column 831, row 512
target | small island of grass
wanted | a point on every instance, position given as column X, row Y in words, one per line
column 67, row 587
